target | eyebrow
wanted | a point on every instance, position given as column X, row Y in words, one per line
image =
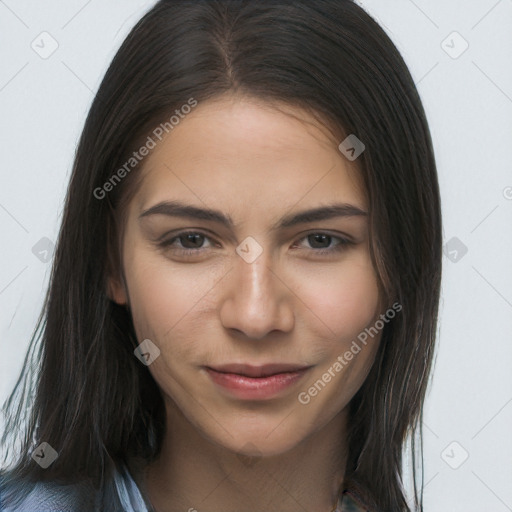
column 179, row 209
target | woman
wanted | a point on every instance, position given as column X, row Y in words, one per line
column 243, row 304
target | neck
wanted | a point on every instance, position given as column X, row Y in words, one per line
column 194, row 473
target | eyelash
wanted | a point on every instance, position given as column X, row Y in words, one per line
column 343, row 243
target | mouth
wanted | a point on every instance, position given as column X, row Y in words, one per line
column 256, row 382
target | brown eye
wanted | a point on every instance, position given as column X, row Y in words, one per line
column 323, row 240
column 191, row 240
column 321, row 243
column 187, row 242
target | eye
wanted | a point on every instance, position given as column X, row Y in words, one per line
column 190, row 242
column 320, row 243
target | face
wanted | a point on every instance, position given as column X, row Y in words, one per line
column 254, row 307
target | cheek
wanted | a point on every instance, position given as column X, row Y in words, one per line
column 154, row 308
column 163, row 295
column 347, row 301
column 174, row 307
column 345, row 298
column 163, row 303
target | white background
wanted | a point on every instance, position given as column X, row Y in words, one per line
column 468, row 101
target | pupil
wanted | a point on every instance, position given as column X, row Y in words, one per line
column 191, row 237
column 326, row 238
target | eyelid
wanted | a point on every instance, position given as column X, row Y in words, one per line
column 177, row 233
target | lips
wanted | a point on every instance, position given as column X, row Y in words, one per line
column 258, row 371
column 249, row 382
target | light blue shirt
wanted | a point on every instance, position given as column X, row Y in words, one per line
column 121, row 494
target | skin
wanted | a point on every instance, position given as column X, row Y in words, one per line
column 255, row 162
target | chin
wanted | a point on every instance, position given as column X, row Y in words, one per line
column 268, row 442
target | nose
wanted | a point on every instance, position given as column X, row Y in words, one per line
column 257, row 301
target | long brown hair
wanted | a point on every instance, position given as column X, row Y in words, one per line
column 81, row 389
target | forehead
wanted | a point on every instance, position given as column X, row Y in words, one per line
column 250, row 155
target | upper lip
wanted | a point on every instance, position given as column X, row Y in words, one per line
column 258, row 371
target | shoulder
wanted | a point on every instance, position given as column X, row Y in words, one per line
column 350, row 502
column 119, row 494
column 22, row 496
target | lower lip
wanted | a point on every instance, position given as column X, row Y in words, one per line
column 255, row 388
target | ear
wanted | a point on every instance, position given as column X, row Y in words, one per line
column 116, row 291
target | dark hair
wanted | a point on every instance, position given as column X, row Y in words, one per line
column 92, row 400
